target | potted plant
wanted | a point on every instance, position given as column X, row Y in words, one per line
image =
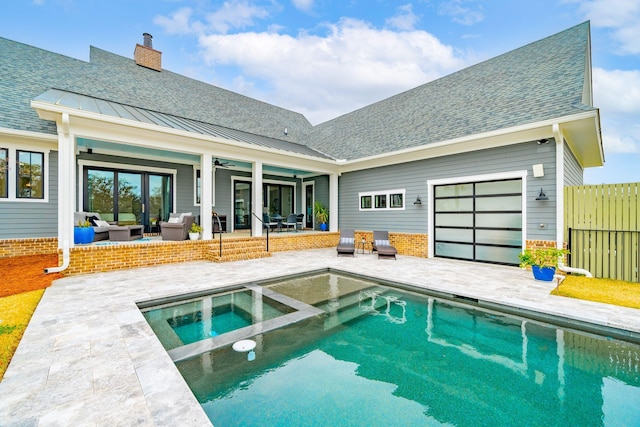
column 83, row 233
column 321, row 213
column 194, row 231
column 543, row 261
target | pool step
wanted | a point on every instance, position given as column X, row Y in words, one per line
column 237, row 249
column 351, row 307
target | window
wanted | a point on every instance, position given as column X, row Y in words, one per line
column 197, row 187
column 23, row 172
column 4, row 173
column 30, row 175
column 382, row 200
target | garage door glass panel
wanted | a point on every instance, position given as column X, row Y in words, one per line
column 498, row 237
column 497, row 254
column 499, row 220
column 454, row 220
column 508, row 203
column 454, row 190
column 456, row 205
column 454, row 250
column 455, row 234
column 498, row 187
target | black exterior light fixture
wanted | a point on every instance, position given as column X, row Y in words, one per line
column 542, row 196
column 418, row 201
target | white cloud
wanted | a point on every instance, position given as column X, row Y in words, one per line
column 326, row 76
column 235, row 14
column 405, row 19
column 304, row 5
column 617, row 94
column 617, row 91
column 177, row 23
column 622, row 16
column 460, row 13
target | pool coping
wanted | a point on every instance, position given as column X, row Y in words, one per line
column 88, row 356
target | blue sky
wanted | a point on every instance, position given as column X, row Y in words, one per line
column 324, row 58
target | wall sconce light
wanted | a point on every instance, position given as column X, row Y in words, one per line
column 89, row 150
column 542, row 196
column 418, row 201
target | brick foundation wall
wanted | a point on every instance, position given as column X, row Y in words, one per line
column 20, row 247
column 411, row 244
column 98, row 259
column 104, row 257
column 537, row 244
column 299, row 241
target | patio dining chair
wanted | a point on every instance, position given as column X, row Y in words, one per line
column 291, row 222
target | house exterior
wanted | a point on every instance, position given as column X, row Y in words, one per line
column 469, row 166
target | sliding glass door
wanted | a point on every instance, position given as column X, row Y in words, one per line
column 128, row 197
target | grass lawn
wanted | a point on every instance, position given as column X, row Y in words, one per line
column 617, row 292
column 23, row 284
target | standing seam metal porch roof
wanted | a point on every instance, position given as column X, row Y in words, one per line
column 142, row 115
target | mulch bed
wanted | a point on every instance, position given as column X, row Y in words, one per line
column 26, row 273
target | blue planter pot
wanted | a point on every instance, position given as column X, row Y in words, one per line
column 545, row 273
column 83, row 235
column 323, row 226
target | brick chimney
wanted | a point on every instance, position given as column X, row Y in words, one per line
column 146, row 56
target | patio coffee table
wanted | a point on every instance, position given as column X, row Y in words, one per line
column 125, row 233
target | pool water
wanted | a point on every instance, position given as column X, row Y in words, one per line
column 186, row 322
column 381, row 356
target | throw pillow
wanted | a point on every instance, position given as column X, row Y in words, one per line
column 347, row 240
column 175, row 220
column 382, row 243
column 92, row 219
column 101, row 223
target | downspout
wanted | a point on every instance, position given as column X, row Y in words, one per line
column 64, row 152
column 559, row 137
column 66, row 256
column 563, row 267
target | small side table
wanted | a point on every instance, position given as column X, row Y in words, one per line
column 362, row 246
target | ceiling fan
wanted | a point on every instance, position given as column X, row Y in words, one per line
column 217, row 163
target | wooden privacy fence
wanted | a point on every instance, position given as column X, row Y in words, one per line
column 603, row 229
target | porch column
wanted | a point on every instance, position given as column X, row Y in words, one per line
column 256, row 203
column 559, row 136
column 66, row 182
column 206, row 200
column 333, row 202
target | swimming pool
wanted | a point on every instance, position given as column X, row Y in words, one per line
column 377, row 355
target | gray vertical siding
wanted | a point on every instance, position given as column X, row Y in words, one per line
column 573, row 172
column 33, row 219
column 413, row 178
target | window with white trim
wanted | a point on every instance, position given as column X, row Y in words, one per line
column 30, row 175
column 382, row 200
column 4, row 173
column 197, row 187
column 23, row 173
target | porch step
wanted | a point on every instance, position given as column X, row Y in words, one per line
column 237, row 249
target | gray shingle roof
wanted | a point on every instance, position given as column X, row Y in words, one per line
column 540, row 81
column 26, row 72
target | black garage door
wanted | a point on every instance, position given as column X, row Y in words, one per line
column 479, row 221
